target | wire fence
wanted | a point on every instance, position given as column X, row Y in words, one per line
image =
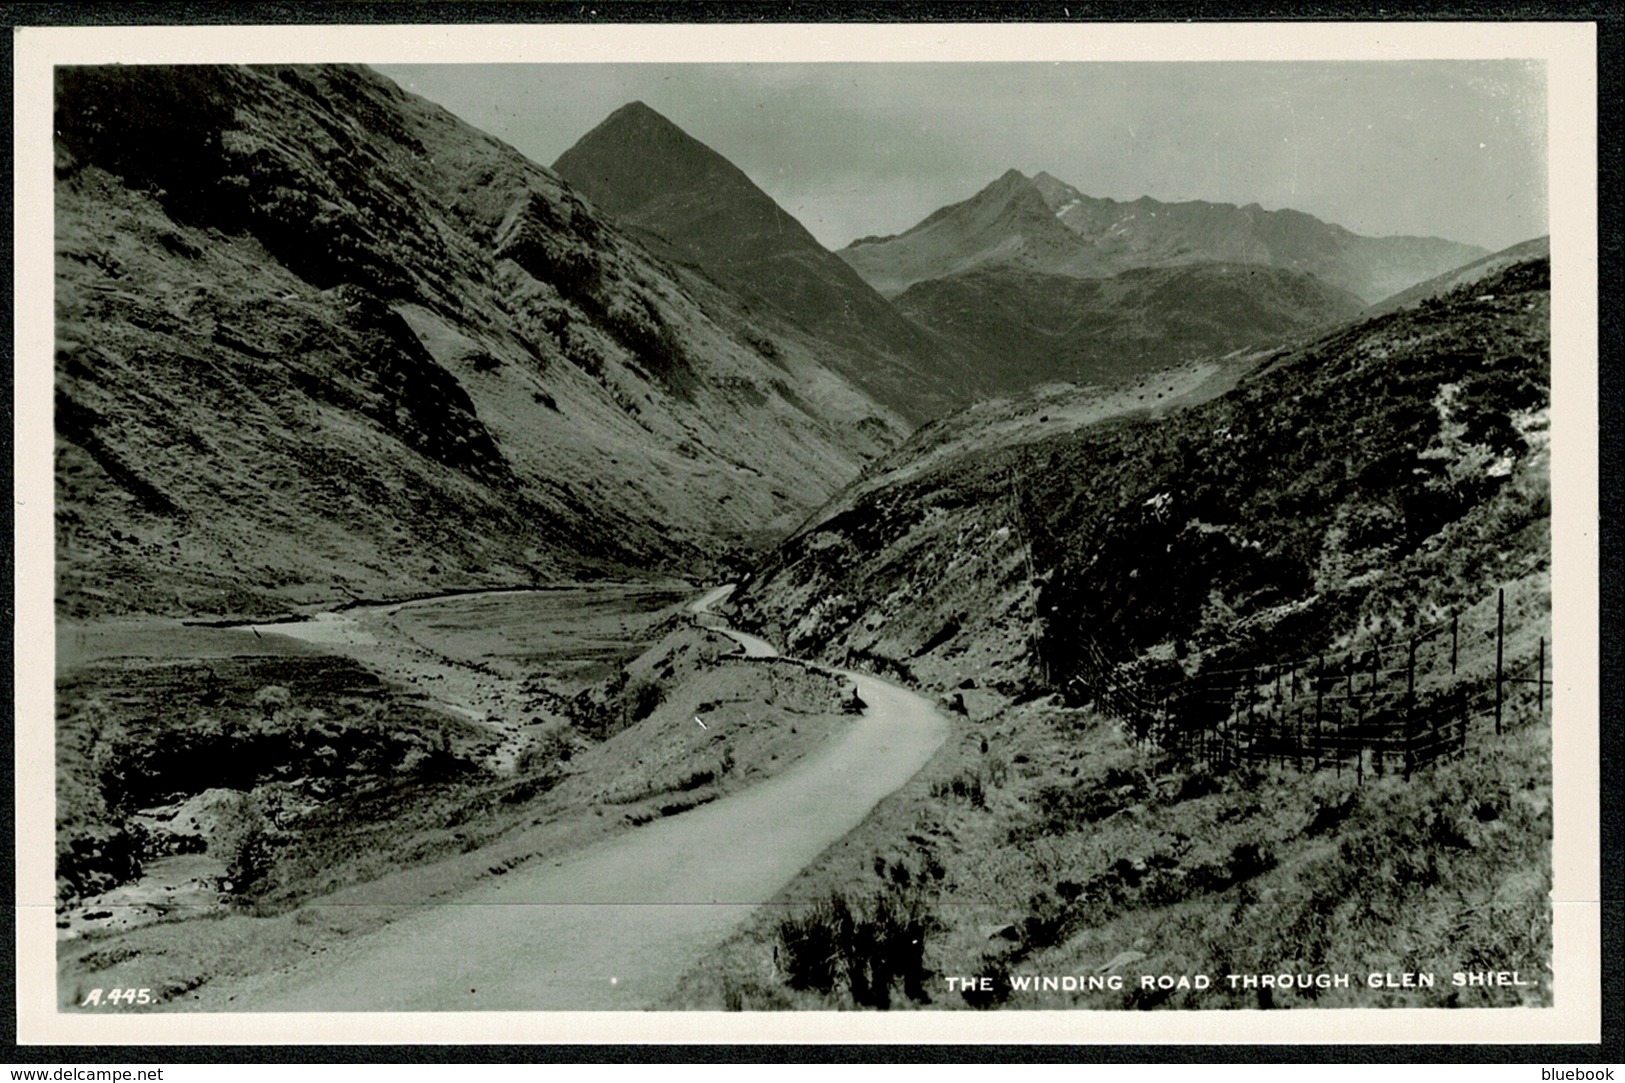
column 1390, row 704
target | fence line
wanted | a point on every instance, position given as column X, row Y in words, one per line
column 1399, row 703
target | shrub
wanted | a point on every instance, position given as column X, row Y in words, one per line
column 869, row 948
column 1249, row 859
column 644, row 696
column 244, row 840
column 96, row 857
column 809, row 945
column 996, row 991
column 1046, row 921
column 966, row 785
column 271, row 699
column 552, row 745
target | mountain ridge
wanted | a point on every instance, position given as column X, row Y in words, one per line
column 1034, row 328
column 1113, row 236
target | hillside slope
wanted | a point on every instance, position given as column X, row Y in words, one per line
column 1350, row 496
column 651, row 175
column 1361, row 481
column 1479, row 269
column 1034, row 328
column 1044, row 224
column 317, row 338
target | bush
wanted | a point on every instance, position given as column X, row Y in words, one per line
column 244, row 840
column 643, row 697
column 554, row 744
column 810, row 945
column 272, row 699
column 112, row 752
column 870, row 948
column 997, row 989
column 1248, row 860
column 95, row 857
column 967, row 785
column 1046, row 922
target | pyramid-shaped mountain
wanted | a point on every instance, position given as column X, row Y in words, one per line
column 1046, row 225
column 654, row 177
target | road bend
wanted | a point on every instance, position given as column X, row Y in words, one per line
column 615, row 925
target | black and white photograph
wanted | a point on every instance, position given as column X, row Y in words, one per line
column 529, row 528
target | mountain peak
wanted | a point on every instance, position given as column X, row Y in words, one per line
column 657, row 179
column 640, row 114
column 1056, row 192
column 1013, row 194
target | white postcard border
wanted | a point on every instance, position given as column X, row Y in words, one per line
column 1569, row 52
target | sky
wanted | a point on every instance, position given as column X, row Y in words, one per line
column 1454, row 149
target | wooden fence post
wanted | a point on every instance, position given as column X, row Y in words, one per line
column 1540, row 677
column 1500, row 625
column 1376, row 677
column 1320, row 692
column 1348, row 698
column 1252, row 690
column 1410, row 708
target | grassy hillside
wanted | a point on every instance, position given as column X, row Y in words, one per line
column 1032, row 329
column 1045, row 843
column 316, row 338
column 1364, row 480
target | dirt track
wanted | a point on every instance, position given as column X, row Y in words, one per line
column 615, row 925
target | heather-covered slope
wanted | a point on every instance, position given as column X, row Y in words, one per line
column 650, row 174
column 1032, row 328
column 318, row 338
column 1363, row 480
column 1479, row 269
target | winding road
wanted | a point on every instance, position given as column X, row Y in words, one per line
column 615, row 925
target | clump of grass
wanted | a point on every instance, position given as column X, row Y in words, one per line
column 966, row 785
column 866, row 949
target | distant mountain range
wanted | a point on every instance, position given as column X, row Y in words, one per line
column 1043, row 224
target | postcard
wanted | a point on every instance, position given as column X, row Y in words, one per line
column 801, row 533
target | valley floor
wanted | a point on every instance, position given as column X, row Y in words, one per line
column 596, row 893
